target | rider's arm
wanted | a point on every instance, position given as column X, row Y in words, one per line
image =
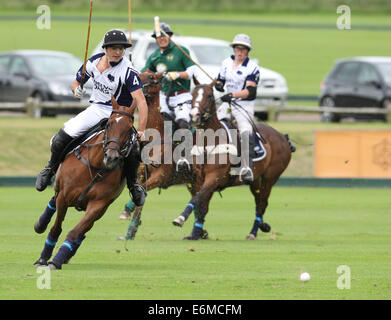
column 244, row 94
column 142, row 107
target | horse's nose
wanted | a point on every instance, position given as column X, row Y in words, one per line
column 195, row 113
column 110, row 159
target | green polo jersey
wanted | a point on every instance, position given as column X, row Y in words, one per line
column 172, row 59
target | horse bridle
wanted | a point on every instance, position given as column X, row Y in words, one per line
column 206, row 114
column 125, row 149
column 150, row 83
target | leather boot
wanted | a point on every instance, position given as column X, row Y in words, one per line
column 131, row 166
column 183, row 164
column 246, row 173
column 59, row 143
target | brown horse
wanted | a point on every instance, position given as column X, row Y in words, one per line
column 164, row 174
column 213, row 176
column 90, row 178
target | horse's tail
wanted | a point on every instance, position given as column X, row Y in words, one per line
column 293, row 148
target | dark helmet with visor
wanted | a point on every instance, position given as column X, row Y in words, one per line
column 115, row 37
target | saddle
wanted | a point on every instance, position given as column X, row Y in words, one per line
column 259, row 149
column 79, row 140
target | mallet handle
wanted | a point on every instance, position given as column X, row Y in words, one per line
column 185, row 53
column 83, row 73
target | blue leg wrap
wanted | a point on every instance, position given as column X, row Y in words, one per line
column 65, row 253
column 48, row 248
column 188, row 210
column 47, row 215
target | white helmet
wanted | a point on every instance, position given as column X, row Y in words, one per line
column 242, row 39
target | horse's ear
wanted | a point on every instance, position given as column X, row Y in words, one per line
column 212, row 84
column 114, row 103
column 196, row 82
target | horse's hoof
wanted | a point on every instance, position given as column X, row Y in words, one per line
column 121, row 238
column 38, row 228
column 53, row 266
column 179, row 222
column 204, row 234
column 251, row 237
column 125, row 215
column 265, row 227
column 40, row 263
column 190, row 238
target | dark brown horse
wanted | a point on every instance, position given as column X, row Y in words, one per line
column 157, row 174
column 90, row 179
column 215, row 176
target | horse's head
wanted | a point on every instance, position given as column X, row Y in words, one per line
column 203, row 104
column 118, row 135
column 151, row 83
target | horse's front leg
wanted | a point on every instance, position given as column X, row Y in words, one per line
column 200, row 204
column 41, row 224
column 94, row 211
column 157, row 178
column 55, row 231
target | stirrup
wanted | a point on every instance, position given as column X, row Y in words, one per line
column 247, row 175
column 181, row 163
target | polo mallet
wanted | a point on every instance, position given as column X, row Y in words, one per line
column 130, row 27
column 83, row 73
column 158, row 33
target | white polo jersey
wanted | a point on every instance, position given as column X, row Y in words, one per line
column 235, row 79
column 119, row 80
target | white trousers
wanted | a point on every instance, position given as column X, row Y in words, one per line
column 181, row 104
column 242, row 115
column 86, row 119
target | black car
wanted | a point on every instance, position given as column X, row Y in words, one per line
column 361, row 82
column 43, row 74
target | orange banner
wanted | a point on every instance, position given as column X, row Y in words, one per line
column 353, row 154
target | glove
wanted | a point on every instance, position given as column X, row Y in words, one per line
column 79, row 92
column 172, row 76
column 227, row 97
column 219, row 86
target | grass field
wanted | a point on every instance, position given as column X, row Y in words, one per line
column 304, row 55
column 27, row 143
column 313, row 230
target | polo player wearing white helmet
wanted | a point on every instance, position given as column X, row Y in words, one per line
column 240, row 76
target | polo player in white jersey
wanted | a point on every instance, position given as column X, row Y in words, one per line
column 112, row 74
column 240, row 75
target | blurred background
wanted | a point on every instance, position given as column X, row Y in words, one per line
column 299, row 42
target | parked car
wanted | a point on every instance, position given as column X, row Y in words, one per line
column 209, row 53
column 359, row 82
column 42, row 74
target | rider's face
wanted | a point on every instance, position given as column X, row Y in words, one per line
column 163, row 42
column 115, row 53
column 241, row 52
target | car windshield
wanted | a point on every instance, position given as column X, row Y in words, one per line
column 385, row 70
column 211, row 54
column 46, row 65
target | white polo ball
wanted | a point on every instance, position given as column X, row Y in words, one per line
column 305, row 276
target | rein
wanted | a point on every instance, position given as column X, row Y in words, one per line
column 123, row 152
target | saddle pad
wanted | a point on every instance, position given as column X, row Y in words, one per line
column 259, row 149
